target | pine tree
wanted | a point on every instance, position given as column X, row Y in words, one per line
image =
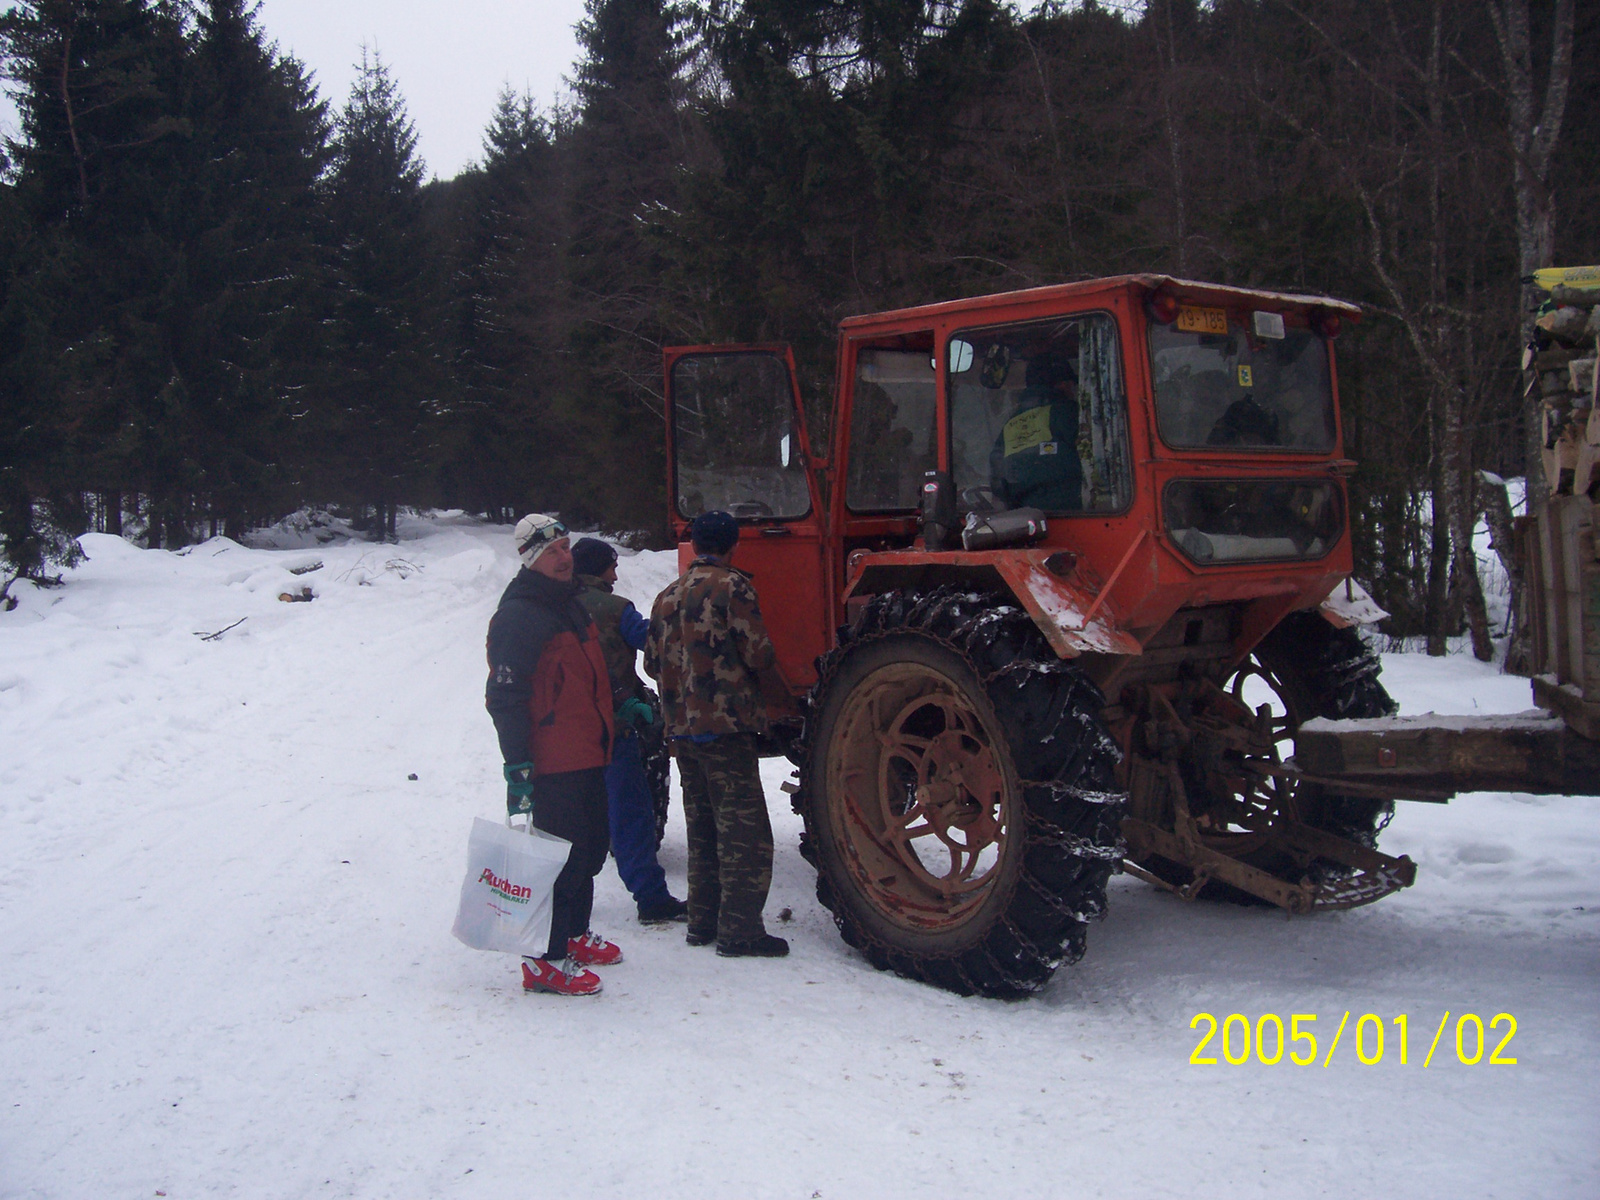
column 635, row 130
column 99, row 89
column 506, row 220
column 29, row 540
column 254, row 284
column 379, row 392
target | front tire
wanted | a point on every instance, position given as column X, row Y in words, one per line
column 1304, row 668
column 1320, row 671
column 959, row 794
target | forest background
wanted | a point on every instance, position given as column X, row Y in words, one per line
column 222, row 298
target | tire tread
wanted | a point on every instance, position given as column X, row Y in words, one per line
column 1066, row 764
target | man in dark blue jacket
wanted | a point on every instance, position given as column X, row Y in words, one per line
column 550, row 697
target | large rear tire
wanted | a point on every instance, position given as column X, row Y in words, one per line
column 959, row 794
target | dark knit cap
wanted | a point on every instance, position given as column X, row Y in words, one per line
column 1047, row 370
column 591, row 556
column 714, row 532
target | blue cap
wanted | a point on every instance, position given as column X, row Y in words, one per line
column 714, row 532
column 591, row 556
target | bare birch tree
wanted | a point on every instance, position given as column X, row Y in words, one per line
column 1534, row 125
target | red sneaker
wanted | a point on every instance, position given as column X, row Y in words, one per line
column 592, row 950
column 568, row 979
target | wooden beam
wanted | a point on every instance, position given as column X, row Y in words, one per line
column 1528, row 752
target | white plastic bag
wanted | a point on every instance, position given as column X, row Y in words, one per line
column 505, row 897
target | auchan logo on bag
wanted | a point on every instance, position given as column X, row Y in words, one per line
column 511, row 891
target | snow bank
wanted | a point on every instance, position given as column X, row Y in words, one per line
column 226, row 966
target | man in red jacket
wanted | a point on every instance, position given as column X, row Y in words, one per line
column 550, row 697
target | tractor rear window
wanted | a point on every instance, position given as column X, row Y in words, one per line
column 735, row 436
column 1252, row 520
column 1238, row 390
column 1038, row 417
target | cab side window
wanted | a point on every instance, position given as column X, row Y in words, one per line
column 892, row 430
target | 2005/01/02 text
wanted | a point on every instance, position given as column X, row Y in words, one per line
column 1270, row 1041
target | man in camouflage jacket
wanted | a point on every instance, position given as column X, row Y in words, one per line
column 709, row 651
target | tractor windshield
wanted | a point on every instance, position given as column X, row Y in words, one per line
column 1038, row 417
column 735, row 437
column 1248, row 386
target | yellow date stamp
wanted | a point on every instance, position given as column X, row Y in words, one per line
column 1270, row 1041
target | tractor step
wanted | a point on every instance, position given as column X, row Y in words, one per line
column 1375, row 875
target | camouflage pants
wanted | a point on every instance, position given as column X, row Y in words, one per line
column 730, row 837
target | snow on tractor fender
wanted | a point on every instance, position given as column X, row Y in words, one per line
column 1350, row 604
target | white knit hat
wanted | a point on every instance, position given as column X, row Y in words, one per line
column 533, row 536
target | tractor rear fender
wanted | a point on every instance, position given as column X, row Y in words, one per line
column 1069, row 607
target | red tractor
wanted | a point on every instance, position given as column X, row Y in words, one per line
column 1073, row 571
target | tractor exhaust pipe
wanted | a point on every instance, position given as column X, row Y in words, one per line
column 938, row 510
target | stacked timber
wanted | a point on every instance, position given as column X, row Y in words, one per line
column 1564, row 573
column 1559, row 365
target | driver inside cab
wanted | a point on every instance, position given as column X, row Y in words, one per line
column 1035, row 461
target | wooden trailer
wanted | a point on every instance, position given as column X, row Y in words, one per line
column 1554, row 749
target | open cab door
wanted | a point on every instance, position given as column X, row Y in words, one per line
column 736, row 440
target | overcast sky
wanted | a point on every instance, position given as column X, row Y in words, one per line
column 449, row 57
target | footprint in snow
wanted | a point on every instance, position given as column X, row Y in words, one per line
column 1484, row 853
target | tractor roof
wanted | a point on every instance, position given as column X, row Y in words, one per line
column 1190, row 289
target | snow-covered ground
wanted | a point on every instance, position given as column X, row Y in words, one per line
column 226, row 965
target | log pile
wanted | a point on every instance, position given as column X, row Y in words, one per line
column 1560, row 539
column 1564, row 578
column 1559, row 365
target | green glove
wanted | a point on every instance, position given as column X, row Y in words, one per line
column 635, row 710
column 519, row 787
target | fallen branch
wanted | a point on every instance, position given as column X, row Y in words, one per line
column 211, row 637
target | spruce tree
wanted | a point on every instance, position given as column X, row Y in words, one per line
column 99, row 88
column 29, row 539
column 254, row 284
column 379, row 390
column 635, row 130
column 506, row 223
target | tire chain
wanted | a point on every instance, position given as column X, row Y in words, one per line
column 1342, row 682
column 981, row 618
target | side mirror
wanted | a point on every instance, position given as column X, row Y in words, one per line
column 960, row 356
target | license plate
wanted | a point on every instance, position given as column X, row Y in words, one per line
column 1202, row 320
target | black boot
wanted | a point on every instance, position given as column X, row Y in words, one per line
column 663, row 912
column 765, row 946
